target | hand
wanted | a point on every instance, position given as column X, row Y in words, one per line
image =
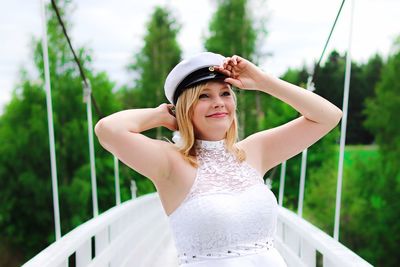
column 168, row 116
column 241, row 72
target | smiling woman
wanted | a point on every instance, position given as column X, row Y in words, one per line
column 211, row 184
column 207, row 111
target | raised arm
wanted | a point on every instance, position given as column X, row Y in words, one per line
column 120, row 134
column 275, row 145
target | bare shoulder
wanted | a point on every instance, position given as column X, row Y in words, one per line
column 273, row 146
column 176, row 160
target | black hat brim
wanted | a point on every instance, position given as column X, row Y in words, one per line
column 197, row 77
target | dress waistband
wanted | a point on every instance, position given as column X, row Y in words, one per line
column 241, row 250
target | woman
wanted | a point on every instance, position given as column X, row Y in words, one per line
column 210, row 184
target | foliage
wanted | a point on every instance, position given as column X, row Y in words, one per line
column 371, row 184
column 24, row 157
column 329, row 83
column 381, row 112
column 158, row 56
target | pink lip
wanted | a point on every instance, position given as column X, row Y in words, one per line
column 218, row 115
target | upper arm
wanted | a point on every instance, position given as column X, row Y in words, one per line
column 278, row 144
column 147, row 156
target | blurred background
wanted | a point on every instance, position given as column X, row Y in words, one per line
column 127, row 48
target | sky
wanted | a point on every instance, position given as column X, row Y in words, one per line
column 114, row 30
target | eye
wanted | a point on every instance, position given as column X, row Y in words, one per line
column 226, row 93
column 202, row 95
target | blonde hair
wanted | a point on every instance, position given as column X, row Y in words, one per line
column 184, row 114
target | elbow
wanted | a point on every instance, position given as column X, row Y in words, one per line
column 101, row 129
column 98, row 127
column 339, row 113
column 337, row 116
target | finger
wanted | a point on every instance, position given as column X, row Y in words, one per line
column 232, row 61
column 222, row 70
column 238, row 59
column 235, row 59
column 227, row 61
column 232, row 81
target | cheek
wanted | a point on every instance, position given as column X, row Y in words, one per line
column 231, row 105
column 200, row 110
column 198, row 113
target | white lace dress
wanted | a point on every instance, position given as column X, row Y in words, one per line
column 228, row 219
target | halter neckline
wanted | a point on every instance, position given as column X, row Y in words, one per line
column 206, row 144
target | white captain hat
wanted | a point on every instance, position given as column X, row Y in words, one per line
column 192, row 71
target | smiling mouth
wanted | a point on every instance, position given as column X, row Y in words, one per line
column 220, row 115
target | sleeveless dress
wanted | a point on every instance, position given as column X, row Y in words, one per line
column 228, row 219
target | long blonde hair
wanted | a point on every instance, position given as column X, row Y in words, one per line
column 184, row 114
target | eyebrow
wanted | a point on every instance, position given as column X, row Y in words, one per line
column 208, row 89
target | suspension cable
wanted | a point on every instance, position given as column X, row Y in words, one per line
column 316, row 68
column 81, row 71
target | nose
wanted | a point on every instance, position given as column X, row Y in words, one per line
column 218, row 102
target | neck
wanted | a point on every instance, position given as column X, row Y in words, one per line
column 210, row 138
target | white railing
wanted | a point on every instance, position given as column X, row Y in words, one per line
column 131, row 234
column 299, row 241
column 136, row 233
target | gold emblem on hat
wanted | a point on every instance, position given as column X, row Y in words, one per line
column 211, row 68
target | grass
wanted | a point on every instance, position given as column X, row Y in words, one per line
column 364, row 152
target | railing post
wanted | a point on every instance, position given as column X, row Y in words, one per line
column 133, row 189
column 302, row 182
column 101, row 239
column 308, row 253
column 84, row 254
column 282, row 183
column 87, row 91
column 53, row 161
column 116, row 174
column 343, row 127
column 268, row 182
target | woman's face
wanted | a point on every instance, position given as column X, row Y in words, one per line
column 214, row 112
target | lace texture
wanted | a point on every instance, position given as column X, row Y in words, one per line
column 228, row 212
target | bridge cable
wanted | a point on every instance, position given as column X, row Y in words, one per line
column 81, row 71
column 317, row 66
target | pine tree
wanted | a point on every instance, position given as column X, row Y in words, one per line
column 158, row 56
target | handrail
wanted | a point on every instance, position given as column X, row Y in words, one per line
column 124, row 234
column 106, row 229
column 304, row 239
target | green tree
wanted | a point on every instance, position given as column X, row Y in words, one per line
column 329, row 83
column 26, row 212
column 371, row 74
column 382, row 111
column 158, row 56
column 361, row 221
